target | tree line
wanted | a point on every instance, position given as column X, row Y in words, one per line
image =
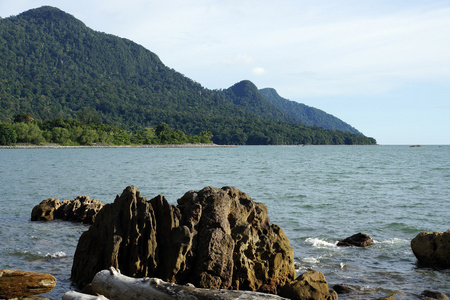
column 88, row 131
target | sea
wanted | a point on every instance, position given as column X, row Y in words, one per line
column 317, row 194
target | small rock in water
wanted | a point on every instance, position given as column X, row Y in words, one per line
column 342, row 288
column 81, row 209
column 358, row 240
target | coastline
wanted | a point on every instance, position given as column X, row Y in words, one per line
column 55, row 146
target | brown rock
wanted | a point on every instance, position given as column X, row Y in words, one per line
column 82, row 209
column 432, row 249
column 358, row 240
column 214, row 238
column 309, row 285
column 45, row 210
column 17, row 284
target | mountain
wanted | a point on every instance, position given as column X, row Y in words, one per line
column 53, row 66
column 246, row 95
column 305, row 114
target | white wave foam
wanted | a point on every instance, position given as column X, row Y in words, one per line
column 59, row 254
column 311, row 260
column 318, row 243
column 393, row 241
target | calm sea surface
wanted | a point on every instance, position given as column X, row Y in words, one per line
column 317, row 194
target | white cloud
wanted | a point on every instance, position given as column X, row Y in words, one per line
column 259, row 71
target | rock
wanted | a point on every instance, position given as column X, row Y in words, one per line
column 45, row 210
column 82, row 209
column 433, row 295
column 358, row 240
column 432, row 249
column 309, row 285
column 17, row 284
column 214, row 238
column 342, row 289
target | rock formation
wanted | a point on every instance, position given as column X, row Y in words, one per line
column 358, row 240
column 432, row 249
column 214, row 238
column 309, row 285
column 81, row 209
column 17, row 284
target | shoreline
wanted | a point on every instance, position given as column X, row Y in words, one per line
column 54, row 146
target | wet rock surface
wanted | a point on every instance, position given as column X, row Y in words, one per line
column 358, row 240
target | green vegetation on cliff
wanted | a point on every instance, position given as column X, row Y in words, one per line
column 305, row 114
column 53, row 66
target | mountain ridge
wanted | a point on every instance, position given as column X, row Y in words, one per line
column 55, row 66
column 307, row 115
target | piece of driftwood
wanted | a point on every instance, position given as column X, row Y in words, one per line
column 18, row 284
column 116, row 286
column 73, row 295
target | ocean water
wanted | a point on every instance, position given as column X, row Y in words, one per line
column 317, row 194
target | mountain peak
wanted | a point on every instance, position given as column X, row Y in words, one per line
column 244, row 88
column 49, row 14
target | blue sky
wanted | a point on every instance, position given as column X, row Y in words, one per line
column 381, row 66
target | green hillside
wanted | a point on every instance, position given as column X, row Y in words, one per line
column 305, row 114
column 53, row 66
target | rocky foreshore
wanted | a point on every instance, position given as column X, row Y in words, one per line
column 218, row 240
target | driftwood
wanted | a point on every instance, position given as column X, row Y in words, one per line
column 17, row 284
column 116, row 286
column 72, row 295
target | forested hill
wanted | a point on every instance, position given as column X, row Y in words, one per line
column 305, row 114
column 54, row 66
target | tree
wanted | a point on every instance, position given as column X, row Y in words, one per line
column 8, row 135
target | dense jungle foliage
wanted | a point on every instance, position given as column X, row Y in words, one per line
column 87, row 130
column 53, row 67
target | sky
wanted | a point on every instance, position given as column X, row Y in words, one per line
column 381, row 66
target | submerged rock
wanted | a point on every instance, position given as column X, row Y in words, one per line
column 432, row 249
column 358, row 240
column 433, row 295
column 81, row 209
column 17, row 284
column 343, row 288
column 214, row 238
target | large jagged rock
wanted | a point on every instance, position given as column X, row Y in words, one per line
column 432, row 249
column 17, row 284
column 82, row 209
column 215, row 238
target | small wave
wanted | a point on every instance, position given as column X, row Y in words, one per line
column 311, row 260
column 393, row 241
column 318, row 243
column 59, row 254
